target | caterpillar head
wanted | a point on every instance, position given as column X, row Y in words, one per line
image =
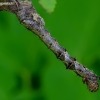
column 92, row 83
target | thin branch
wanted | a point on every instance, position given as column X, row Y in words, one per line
column 27, row 15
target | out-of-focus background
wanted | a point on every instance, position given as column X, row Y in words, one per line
column 30, row 71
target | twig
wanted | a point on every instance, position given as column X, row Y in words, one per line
column 27, row 15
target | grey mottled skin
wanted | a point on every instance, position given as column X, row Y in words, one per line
column 27, row 15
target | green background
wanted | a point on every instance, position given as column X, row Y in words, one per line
column 30, row 71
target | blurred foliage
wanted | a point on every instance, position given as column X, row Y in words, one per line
column 30, row 71
column 49, row 5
